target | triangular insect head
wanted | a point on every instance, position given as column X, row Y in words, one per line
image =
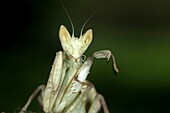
column 74, row 46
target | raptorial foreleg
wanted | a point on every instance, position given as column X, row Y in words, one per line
column 54, row 83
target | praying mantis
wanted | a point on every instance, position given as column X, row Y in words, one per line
column 67, row 90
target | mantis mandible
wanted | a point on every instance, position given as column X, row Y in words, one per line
column 67, row 90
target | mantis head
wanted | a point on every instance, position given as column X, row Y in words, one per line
column 73, row 46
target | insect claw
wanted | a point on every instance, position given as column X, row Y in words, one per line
column 115, row 69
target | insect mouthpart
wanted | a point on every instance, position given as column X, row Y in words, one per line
column 76, row 59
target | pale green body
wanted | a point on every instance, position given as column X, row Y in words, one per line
column 67, row 90
column 69, row 97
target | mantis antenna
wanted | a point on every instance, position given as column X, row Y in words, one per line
column 105, row 2
column 68, row 18
column 93, row 14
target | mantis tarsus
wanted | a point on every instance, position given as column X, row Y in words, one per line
column 67, row 90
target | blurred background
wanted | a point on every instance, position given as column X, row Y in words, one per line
column 136, row 31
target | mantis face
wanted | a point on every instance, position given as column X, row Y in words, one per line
column 73, row 46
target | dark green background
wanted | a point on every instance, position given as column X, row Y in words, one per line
column 136, row 31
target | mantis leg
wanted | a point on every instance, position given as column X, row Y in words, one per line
column 88, row 101
column 79, row 104
column 54, row 83
column 106, row 54
column 96, row 101
column 49, row 93
column 39, row 88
